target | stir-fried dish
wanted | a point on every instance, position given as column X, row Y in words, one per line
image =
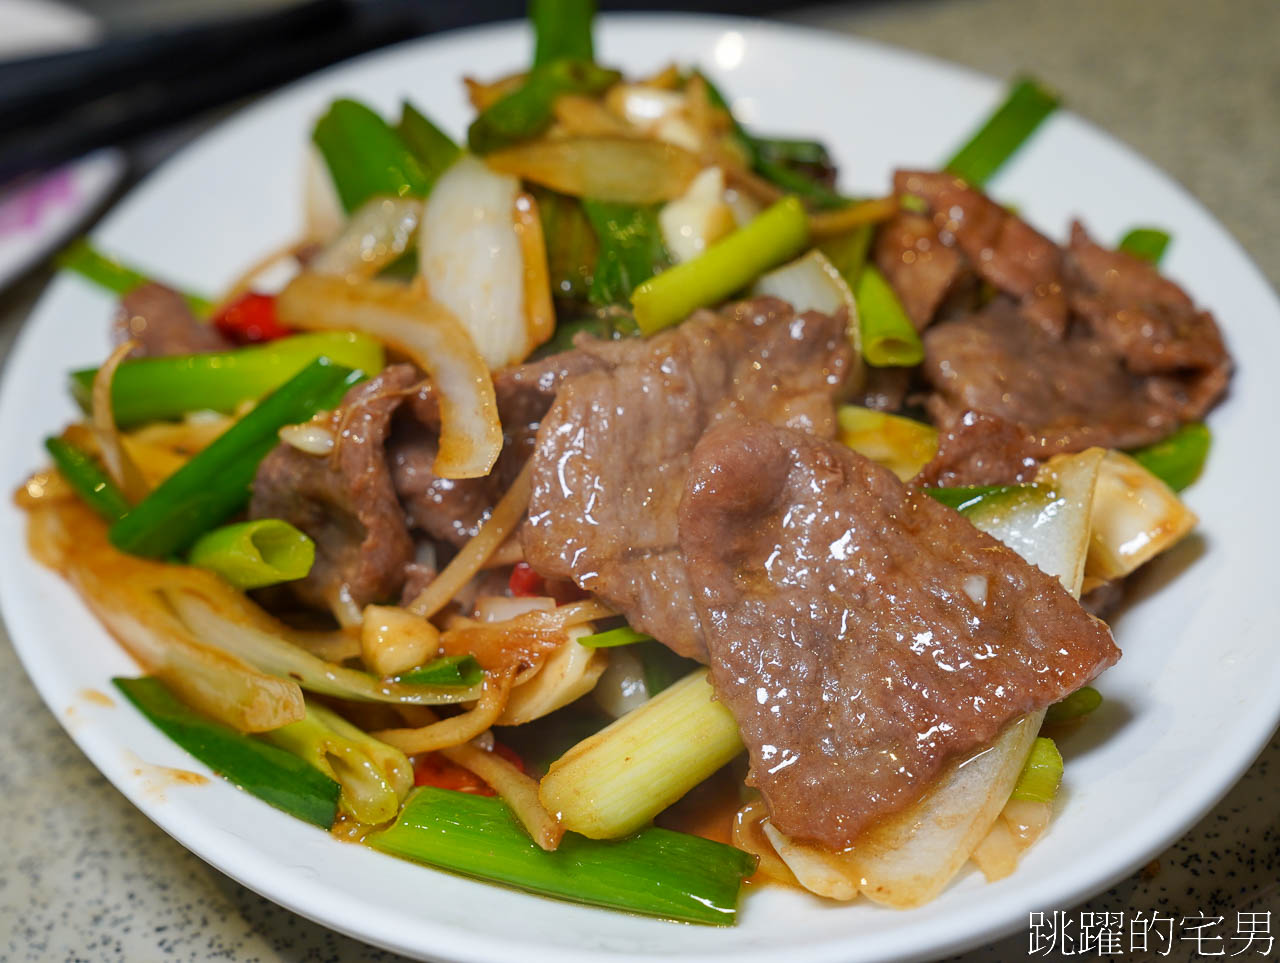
column 611, row 508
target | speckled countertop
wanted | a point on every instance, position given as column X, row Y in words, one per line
column 1193, row 84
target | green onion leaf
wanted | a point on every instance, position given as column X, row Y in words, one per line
column 214, row 484
column 776, row 235
column 87, row 480
column 1075, row 706
column 889, row 339
column 273, row 775
column 1026, row 106
column 623, row 635
column 630, row 249
column 1041, row 775
column 255, row 554
column 434, row 148
column 655, row 872
column 571, row 243
column 1178, row 460
column 848, row 252
column 971, row 496
column 366, row 158
column 90, row 263
column 772, row 158
column 459, row 670
column 164, row 388
column 527, row 111
column 1147, row 243
column 562, row 30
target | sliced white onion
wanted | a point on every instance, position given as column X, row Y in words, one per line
column 310, row 437
column 815, row 869
column 569, row 673
column 429, row 335
column 500, row 608
column 470, row 256
column 810, row 283
column 1136, row 516
column 698, row 218
column 378, row 233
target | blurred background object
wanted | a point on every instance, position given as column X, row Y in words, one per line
column 41, row 209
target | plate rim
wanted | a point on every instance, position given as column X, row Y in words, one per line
column 1227, row 772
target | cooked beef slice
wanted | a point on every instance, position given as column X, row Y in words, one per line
column 345, row 500
column 452, row 510
column 921, row 269
column 862, row 634
column 1003, row 249
column 158, row 318
column 1146, row 319
column 1068, row 394
column 978, row 449
column 884, row 389
column 362, row 503
column 611, row 456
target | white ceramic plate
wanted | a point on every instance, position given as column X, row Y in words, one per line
column 1193, row 700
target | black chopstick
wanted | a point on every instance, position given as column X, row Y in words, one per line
column 87, row 100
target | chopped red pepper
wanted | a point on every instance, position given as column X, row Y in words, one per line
column 433, row 769
column 525, row 582
column 251, row 318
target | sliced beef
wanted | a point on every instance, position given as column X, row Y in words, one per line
column 921, row 269
column 1003, row 249
column 449, row 510
column 1068, row 394
column 157, row 317
column 452, row 510
column 1146, row 319
column 612, row 453
column 978, row 449
column 345, row 500
column 885, row 389
column 861, row 634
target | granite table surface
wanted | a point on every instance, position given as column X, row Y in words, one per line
column 1192, row 84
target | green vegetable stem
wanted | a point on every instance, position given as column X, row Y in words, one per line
column 157, row 389
column 655, row 872
column 87, row 480
column 255, row 554
column 215, row 483
column 273, row 775
column 776, row 235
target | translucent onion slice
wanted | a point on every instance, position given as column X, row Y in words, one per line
column 539, row 311
column 472, row 556
column 119, row 590
column 569, row 673
column 276, row 655
column 427, row 333
column 471, row 258
column 697, row 218
column 378, row 233
column 516, row 789
column 458, row 729
column 122, row 469
column 1136, row 516
column 621, row 169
